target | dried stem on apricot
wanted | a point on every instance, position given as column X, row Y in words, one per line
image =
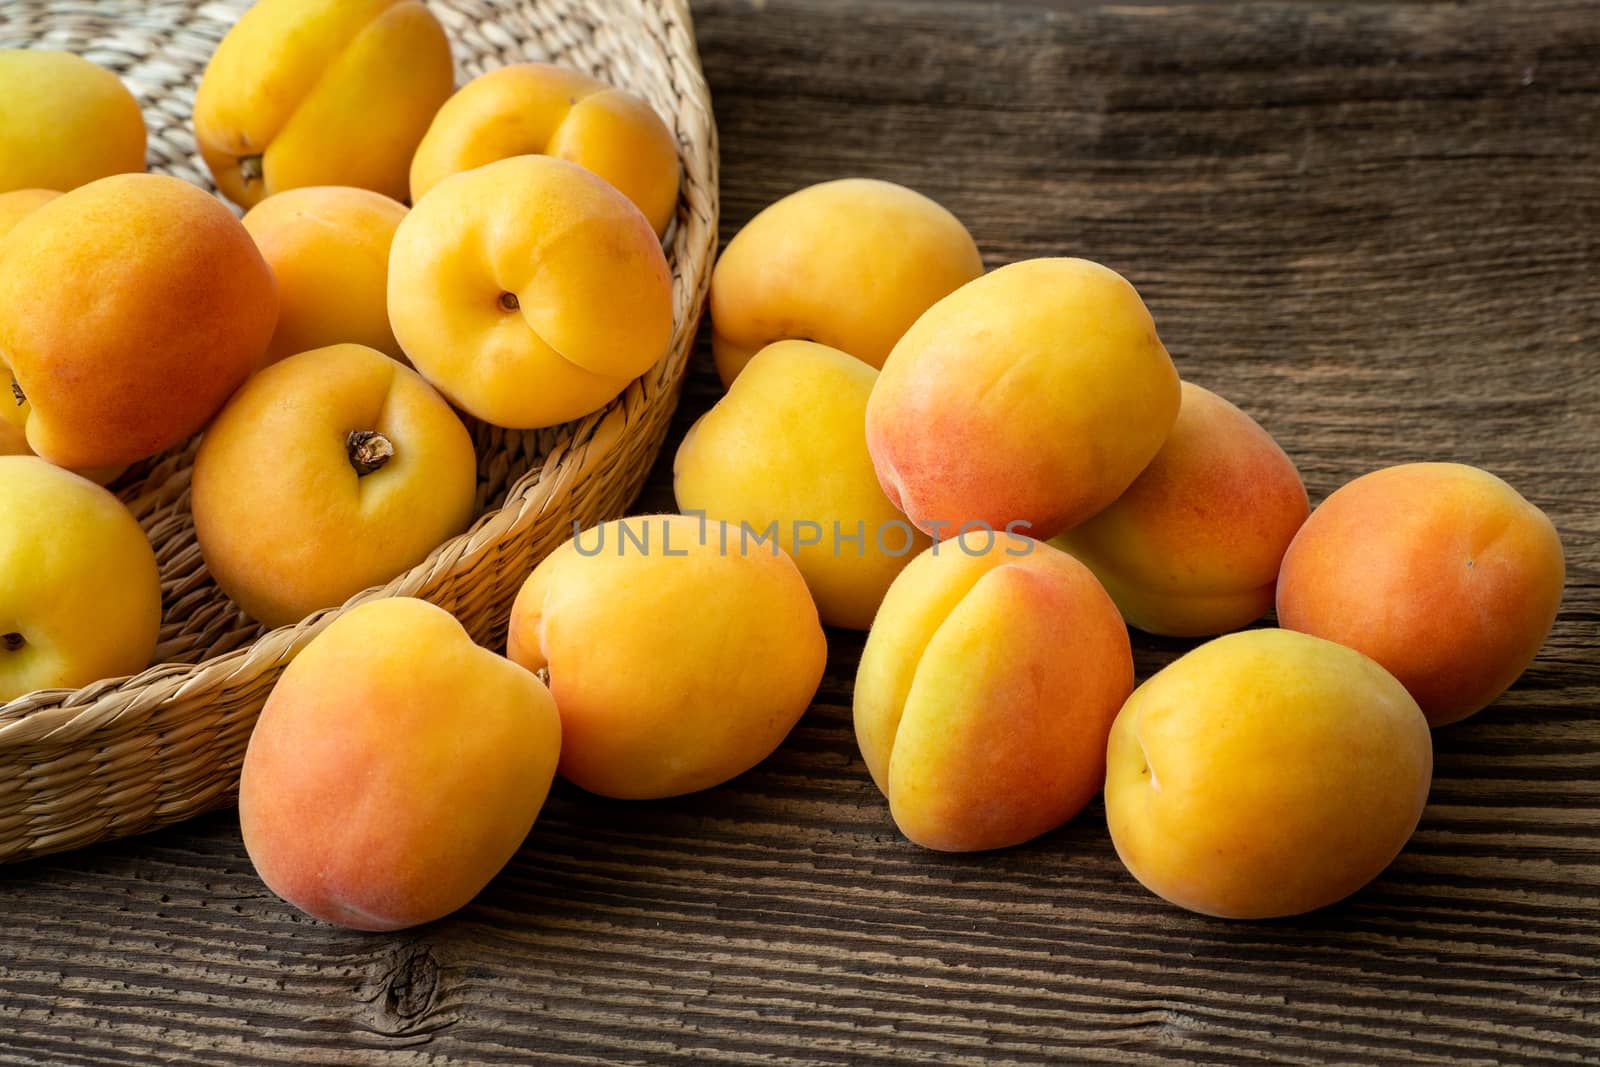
column 368, row 450
column 16, row 391
column 12, row 641
column 250, row 169
column 509, row 301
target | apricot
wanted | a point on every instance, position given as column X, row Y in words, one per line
column 540, row 109
column 65, row 123
column 80, row 595
column 1033, row 395
column 330, row 472
column 986, row 690
column 1192, row 547
column 848, row 263
column 395, row 769
column 1441, row 572
column 787, row 448
column 321, row 92
column 130, row 309
column 680, row 653
column 529, row 291
column 14, row 207
column 1265, row 773
column 19, row 204
column 328, row 246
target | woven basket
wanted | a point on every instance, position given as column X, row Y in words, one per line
column 124, row 756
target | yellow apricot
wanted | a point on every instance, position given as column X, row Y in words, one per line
column 1266, row 773
column 328, row 246
column 541, row 109
column 680, row 652
column 529, row 291
column 80, row 595
column 328, row 472
column 1033, row 395
column 986, row 689
column 64, row 122
column 848, row 263
column 788, row 447
column 321, row 92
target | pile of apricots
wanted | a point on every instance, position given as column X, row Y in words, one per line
column 995, row 474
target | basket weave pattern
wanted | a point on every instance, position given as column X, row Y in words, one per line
column 123, row 756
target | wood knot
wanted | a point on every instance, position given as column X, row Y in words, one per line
column 409, row 988
column 402, row 996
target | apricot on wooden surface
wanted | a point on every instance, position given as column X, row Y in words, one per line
column 529, row 291
column 1441, row 572
column 329, row 472
column 986, row 690
column 130, row 309
column 680, row 653
column 1035, row 394
column 395, row 769
column 541, row 109
column 64, row 122
column 328, row 246
column 848, row 263
column 80, row 598
column 788, row 446
column 1266, row 773
column 321, row 92
column 1192, row 547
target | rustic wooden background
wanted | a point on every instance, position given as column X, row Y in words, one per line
column 1377, row 228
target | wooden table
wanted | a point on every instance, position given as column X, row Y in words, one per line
column 1374, row 226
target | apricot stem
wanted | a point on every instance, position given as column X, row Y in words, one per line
column 368, row 450
column 509, row 301
column 16, row 391
column 12, row 641
column 250, row 169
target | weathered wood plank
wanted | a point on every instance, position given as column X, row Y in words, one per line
column 1374, row 226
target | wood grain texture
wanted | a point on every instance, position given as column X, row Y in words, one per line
column 1376, row 227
